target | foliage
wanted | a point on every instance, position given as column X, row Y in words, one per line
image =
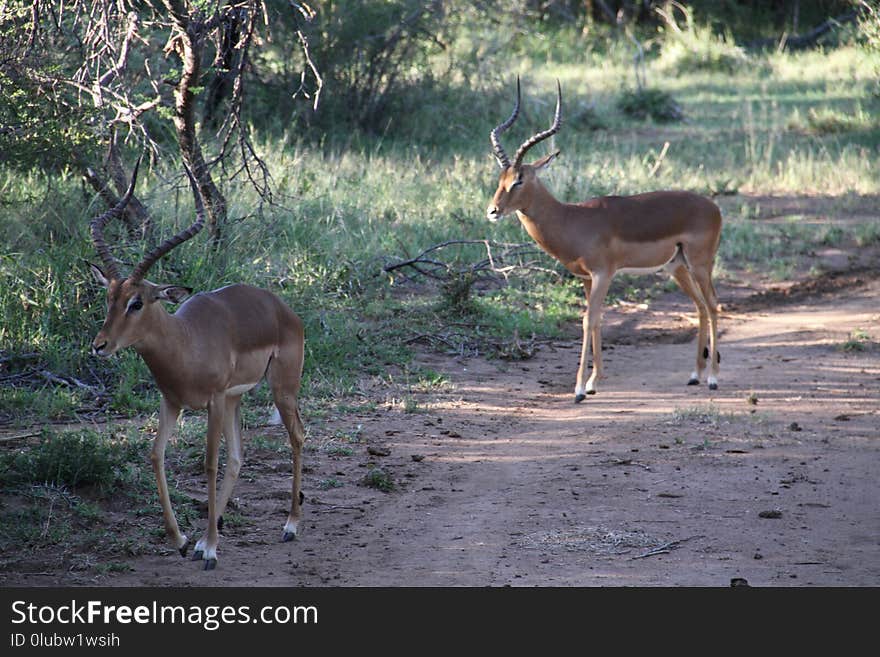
column 869, row 31
column 74, row 459
column 694, row 47
column 370, row 51
column 650, row 102
column 379, row 479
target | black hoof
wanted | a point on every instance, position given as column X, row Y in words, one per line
column 286, row 537
column 210, row 564
column 198, row 555
column 183, row 549
column 693, row 382
column 220, row 524
column 579, row 398
column 591, row 392
column 713, row 386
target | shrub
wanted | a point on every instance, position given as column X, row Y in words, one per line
column 73, row 459
column 378, row 478
column 648, row 102
column 696, row 47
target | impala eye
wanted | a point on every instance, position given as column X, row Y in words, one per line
column 516, row 183
column 134, row 305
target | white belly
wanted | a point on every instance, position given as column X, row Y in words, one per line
column 234, row 391
column 668, row 266
column 638, row 271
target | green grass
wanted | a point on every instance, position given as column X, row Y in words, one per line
column 379, row 479
column 859, row 340
column 66, row 491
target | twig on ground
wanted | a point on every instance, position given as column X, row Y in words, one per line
column 665, row 548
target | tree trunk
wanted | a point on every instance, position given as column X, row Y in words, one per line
column 188, row 44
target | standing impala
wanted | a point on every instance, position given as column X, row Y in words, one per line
column 677, row 232
column 217, row 346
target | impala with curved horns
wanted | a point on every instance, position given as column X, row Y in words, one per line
column 675, row 231
column 217, row 346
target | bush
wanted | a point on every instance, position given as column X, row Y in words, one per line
column 827, row 121
column 697, row 47
column 648, row 102
column 369, row 52
column 73, row 459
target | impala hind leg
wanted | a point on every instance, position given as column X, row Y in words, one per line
column 703, row 277
column 232, row 435
column 168, row 414
column 686, row 282
column 284, row 378
column 592, row 324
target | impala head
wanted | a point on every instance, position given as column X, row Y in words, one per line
column 517, row 181
column 132, row 301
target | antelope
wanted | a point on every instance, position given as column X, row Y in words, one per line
column 673, row 231
column 217, row 346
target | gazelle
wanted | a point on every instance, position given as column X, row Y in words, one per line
column 217, row 346
column 678, row 232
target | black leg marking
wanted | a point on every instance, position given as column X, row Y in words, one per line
column 301, row 498
column 705, row 352
column 184, row 548
column 220, row 524
column 718, row 356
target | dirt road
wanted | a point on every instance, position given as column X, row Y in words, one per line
column 773, row 478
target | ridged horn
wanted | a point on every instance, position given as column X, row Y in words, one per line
column 97, row 224
column 498, row 150
column 541, row 136
column 150, row 259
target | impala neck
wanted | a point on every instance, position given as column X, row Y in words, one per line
column 543, row 217
column 161, row 346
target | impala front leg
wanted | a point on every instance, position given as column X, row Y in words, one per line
column 168, row 414
column 592, row 324
column 206, row 548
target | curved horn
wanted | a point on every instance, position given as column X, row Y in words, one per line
column 150, row 259
column 541, row 136
column 500, row 155
column 97, row 224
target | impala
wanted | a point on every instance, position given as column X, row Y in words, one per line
column 217, row 346
column 675, row 231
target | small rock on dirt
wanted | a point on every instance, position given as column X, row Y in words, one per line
column 772, row 513
column 378, row 451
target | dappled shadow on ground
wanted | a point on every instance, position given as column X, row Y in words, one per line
column 499, row 478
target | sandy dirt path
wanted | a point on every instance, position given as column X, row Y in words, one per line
column 773, row 478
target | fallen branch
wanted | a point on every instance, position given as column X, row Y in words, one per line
column 665, row 548
column 68, row 381
column 501, row 258
column 811, row 38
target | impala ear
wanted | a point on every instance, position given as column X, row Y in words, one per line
column 544, row 161
column 172, row 293
column 98, row 275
